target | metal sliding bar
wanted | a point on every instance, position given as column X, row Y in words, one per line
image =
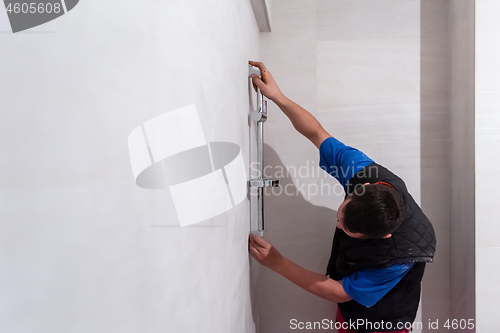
column 260, row 116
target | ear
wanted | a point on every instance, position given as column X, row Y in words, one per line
column 387, row 236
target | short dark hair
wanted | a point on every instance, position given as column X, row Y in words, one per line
column 375, row 211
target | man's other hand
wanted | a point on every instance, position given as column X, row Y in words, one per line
column 264, row 252
column 267, row 86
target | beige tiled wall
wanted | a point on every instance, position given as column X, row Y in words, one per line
column 378, row 80
column 435, row 156
column 461, row 27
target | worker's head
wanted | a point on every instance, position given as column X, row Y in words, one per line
column 371, row 211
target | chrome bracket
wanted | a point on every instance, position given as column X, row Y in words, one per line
column 264, row 182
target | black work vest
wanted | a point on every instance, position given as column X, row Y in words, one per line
column 413, row 241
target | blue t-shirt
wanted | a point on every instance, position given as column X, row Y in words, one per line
column 341, row 161
column 366, row 286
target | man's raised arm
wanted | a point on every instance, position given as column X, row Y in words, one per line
column 302, row 120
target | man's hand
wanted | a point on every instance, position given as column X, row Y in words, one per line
column 316, row 283
column 268, row 87
column 264, row 252
column 302, row 120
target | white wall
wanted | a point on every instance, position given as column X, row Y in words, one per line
column 487, row 135
column 82, row 248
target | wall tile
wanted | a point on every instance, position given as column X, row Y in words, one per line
column 488, row 235
column 387, row 133
column 487, row 45
column 435, row 198
column 487, row 131
column 435, row 70
column 435, row 136
column 487, row 207
column 434, row 18
column 358, row 19
column 368, row 72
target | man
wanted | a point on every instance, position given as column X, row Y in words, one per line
column 382, row 240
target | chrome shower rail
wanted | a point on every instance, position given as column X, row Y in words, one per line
column 260, row 116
